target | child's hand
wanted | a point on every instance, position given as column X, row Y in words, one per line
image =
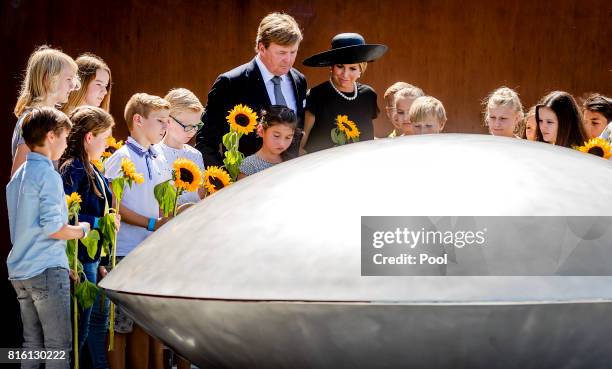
column 102, row 272
column 117, row 222
column 184, row 207
column 161, row 221
column 86, row 228
column 74, row 276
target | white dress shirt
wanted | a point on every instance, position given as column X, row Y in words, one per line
column 140, row 197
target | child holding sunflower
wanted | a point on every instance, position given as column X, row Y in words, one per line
column 185, row 121
column 147, row 118
column 87, row 141
column 38, row 221
column 277, row 127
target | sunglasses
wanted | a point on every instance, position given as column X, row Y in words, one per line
column 189, row 127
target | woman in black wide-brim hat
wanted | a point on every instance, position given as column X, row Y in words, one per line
column 341, row 94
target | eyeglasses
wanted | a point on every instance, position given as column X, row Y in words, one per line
column 189, row 127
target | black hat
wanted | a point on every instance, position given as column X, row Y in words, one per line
column 346, row 48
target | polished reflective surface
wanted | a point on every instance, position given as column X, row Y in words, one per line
column 267, row 272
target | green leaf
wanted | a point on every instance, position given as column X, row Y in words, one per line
column 108, row 231
column 165, row 194
column 227, row 140
column 356, row 139
column 341, row 138
column 117, row 186
column 71, row 247
column 105, row 249
column 85, row 293
column 234, row 172
column 91, row 242
column 334, row 135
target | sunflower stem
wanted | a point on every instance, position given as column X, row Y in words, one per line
column 75, row 312
column 178, row 193
column 111, row 329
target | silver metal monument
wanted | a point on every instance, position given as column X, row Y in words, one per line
column 267, row 272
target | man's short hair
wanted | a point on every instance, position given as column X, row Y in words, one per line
column 41, row 121
column 279, row 28
column 142, row 104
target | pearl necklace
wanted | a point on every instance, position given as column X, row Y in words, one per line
column 351, row 98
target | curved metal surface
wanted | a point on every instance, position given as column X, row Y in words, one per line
column 239, row 334
column 292, row 234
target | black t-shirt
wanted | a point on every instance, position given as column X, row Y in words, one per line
column 326, row 104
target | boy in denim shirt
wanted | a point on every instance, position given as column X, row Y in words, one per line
column 38, row 221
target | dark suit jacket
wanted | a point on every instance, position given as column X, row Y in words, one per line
column 241, row 85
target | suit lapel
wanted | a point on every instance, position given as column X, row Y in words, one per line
column 260, row 89
column 296, row 93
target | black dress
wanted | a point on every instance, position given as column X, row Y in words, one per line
column 326, row 104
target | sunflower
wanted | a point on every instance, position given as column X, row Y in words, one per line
column 597, row 146
column 106, row 154
column 112, row 143
column 347, row 126
column 215, row 179
column 187, row 175
column 73, row 198
column 242, row 119
column 98, row 164
column 129, row 171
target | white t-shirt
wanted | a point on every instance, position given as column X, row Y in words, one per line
column 140, row 197
column 187, row 152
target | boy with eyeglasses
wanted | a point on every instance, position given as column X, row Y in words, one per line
column 185, row 121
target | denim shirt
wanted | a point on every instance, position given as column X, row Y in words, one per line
column 36, row 208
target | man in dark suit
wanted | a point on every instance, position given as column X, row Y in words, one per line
column 268, row 79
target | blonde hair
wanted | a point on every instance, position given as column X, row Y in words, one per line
column 411, row 92
column 427, row 106
column 142, row 104
column 279, row 28
column 503, row 96
column 88, row 65
column 44, row 67
column 393, row 89
column 182, row 100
